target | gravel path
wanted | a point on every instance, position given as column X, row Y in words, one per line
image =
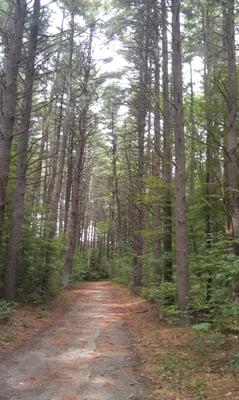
column 86, row 356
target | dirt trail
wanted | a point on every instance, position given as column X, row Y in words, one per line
column 87, row 355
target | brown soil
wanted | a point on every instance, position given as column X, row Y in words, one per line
column 181, row 363
column 28, row 321
column 85, row 354
column 100, row 342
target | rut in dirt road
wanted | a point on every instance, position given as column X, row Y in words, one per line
column 86, row 356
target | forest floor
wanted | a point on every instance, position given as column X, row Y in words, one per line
column 100, row 342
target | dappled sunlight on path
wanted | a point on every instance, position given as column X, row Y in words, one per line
column 87, row 355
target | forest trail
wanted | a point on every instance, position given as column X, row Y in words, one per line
column 86, row 355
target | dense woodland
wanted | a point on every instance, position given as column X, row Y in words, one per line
column 128, row 172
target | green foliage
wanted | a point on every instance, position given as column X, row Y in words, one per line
column 6, row 311
column 214, row 273
column 152, row 269
column 175, row 365
column 167, row 293
column 180, row 371
column 102, row 227
column 80, row 266
column 98, row 268
column 172, row 313
column 214, row 270
column 203, row 327
column 90, row 266
column 121, row 269
column 207, row 341
column 148, row 293
column 40, row 267
column 43, row 312
column 235, row 362
column 56, row 266
column 178, row 363
column 7, row 336
column 197, row 387
column 164, row 295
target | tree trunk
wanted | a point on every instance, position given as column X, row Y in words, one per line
column 142, row 63
column 231, row 124
column 37, row 182
column 68, row 179
column 167, row 154
column 210, row 157
column 180, row 173
column 138, row 213
column 77, row 170
column 157, row 151
column 20, row 188
column 13, row 48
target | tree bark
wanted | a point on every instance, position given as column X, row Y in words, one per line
column 180, row 173
column 167, row 154
column 20, row 187
column 209, row 129
column 116, row 219
column 231, row 123
column 13, row 48
column 157, row 150
column 77, row 169
column 138, row 213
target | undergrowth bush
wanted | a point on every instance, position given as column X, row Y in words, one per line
column 164, row 295
column 40, row 269
column 214, row 274
column 91, row 266
column 121, row 269
column 235, row 362
column 6, row 311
